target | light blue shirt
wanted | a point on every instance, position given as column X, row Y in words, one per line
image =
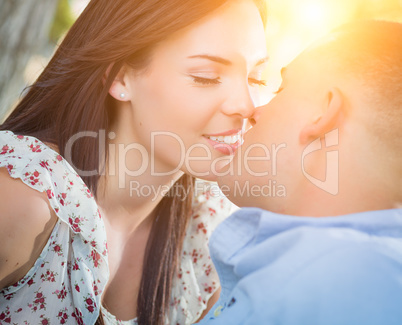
column 286, row 270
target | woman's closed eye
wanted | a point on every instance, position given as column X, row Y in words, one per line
column 206, row 81
column 254, row 81
column 217, row 81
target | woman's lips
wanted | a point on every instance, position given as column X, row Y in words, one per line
column 226, row 142
column 229, row 132
column 226, row 149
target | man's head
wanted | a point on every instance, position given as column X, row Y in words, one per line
column 331, row 139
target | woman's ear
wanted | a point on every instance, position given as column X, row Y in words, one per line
column 118, row 88
column 327, row 120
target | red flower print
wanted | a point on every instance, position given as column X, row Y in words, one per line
column 77, row 287
column 6, row 149
column 78, row 316
column 49, row 193
column 9, row 296
column 208, row 289
column 10, row 168
column 201, row 226
column 75, row 266
column 195, row 256
column 96, row 289
column 32, row 177
column 44, row 164
column 48, row 276
column 5, row 316
column 59, row 158
column 35, row 148
column 40, row 302
column 61, row 294
column 87, row 192
column 62, row 316
column 90, row 304
column 62, row 199
column 95, row 257
column 58, row 249
column 74, row 222
column 208, row 270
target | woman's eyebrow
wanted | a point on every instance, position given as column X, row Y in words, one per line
column 212, row 58
column 222, row 60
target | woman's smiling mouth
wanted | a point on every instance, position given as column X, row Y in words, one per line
column 226, row 142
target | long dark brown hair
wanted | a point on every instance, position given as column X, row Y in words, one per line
column 71, row 95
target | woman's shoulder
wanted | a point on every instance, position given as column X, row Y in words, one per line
column 43, row 190
column 42, row 169
column 19, row 200
column 28, row 158
column 26, row 221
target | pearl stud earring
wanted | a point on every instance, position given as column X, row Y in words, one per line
column 122, row 95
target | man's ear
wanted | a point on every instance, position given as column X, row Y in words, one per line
column 327, row 120
column 118, row 88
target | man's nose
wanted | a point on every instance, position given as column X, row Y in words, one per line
column 256, row 115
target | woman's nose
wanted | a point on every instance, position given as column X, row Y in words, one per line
column 239, row 103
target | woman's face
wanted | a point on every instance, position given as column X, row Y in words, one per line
column 188, row 107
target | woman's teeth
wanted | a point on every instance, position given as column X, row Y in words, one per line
column 226, row 139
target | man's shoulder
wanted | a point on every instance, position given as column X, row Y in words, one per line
column 344, row 283
column 287, row 255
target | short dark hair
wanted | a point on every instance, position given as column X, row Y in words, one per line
column 371, row 52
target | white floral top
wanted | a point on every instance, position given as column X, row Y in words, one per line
column 65, row 284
